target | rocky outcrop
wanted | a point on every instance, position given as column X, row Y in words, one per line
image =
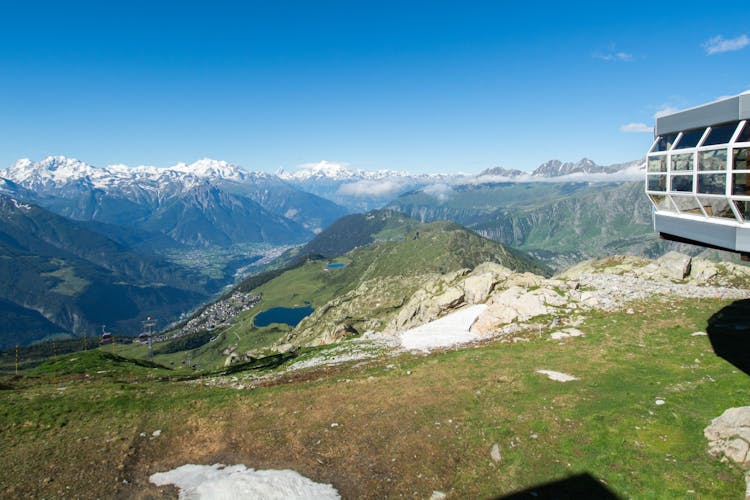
column 396, row 304
column 729, row 439
column 369, row 307
column 729, row 436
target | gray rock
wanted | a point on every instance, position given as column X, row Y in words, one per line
column 729, row 435
column 478, row 288
column 495, row 453
column 675, row 265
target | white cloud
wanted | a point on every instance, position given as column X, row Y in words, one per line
column 719, row 44
column 665, row 109
column 440, row 191
column 377, row 188
column 614, row 56
column 636, row 128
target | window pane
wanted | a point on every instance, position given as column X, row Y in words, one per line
column 740, row 185
column 740, row 159
column 712, row 183
column 717, row 207
column 745, row 134
column 690, row 138
column 687, row 204
column 682, row 162
column 721, row 134
column 712, row 160
column 744, row 209
column 657, row 163
column 665, row 142
column 656, row 183
column 682, row 183
column 661, row 202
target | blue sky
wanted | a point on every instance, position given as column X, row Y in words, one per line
column 418, row 86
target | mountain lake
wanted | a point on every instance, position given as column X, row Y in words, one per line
column 335, row 265
column 288, row 315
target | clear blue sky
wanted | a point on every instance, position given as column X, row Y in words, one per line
column 420, row 86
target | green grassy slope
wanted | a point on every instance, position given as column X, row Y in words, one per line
column 406, row 426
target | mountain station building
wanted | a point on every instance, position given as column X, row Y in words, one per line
column 698, row 175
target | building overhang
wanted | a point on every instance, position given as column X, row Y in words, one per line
column 709, row 233
column 731, row 109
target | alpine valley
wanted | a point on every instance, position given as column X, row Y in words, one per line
column 115, row 245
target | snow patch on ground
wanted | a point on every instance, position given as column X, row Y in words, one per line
column 557, row 376
column 447, row 331
column 220, row 482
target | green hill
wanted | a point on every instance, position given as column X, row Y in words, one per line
column 404, row 255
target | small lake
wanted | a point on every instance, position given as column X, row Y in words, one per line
column 335, row 265
column 287, row 315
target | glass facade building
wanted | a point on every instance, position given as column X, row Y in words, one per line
column 698, row 175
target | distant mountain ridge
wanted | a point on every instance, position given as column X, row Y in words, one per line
column 555, row 168
column 186, row 202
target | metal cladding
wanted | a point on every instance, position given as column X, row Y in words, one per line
column 732, row 109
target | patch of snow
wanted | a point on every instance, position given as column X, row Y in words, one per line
column 156, row 433
column 219, row 481
column 438, row 495
column 447, row 331
column 20, row 206
column 557, row 376
column 659, row 402
column 698, row 334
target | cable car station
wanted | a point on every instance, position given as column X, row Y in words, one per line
column 698, row 175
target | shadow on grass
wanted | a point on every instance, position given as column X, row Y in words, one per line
column 729, row 333
column 573, row 487
column 266, row 363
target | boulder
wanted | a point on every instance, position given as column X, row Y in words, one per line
column 702, row 271
column 674, row 265
column 450, row 299
column 478, row 288
column 338, row 333
column 232, row 359
column 516, row 304
column 729, row 435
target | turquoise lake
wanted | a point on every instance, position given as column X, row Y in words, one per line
column 288, row 315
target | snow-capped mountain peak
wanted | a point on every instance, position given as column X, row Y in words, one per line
column 51, row 171
column 332, row 171
column 210, row 168
column 320, row 170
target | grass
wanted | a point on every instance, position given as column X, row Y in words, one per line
column 69, row 284
column 408, row 425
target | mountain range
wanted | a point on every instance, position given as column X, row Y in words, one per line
column 81, row 244
column 202, row 204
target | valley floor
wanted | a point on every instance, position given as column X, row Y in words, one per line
column 472, row 422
